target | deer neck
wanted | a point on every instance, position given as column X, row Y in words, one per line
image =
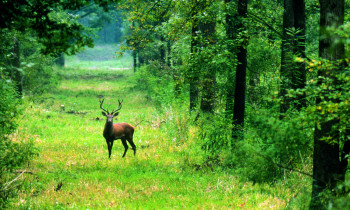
column 108, row 131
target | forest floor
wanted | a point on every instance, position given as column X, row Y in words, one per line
column 72, row 169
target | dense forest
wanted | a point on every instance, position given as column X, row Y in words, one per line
column 224, row 95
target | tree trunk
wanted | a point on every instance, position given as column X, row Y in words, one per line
column 168, row 58
column 162, row 51
column 60, row 60
column 194, row 74
column 240, row 89
column 16, row 64
column 292, row 73
column 209, row 77
column 286, row 55
column 134, row 58
column 230, row 34
column 206, row 26
column 328, row 168
column 299, row 76
column 140, row 58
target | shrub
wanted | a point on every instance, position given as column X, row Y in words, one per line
column 12, row 154
column 157, row 82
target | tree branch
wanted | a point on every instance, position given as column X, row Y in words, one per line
column 260, row 20
column 7, row 184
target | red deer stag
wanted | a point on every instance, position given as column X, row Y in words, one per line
column 114, row 131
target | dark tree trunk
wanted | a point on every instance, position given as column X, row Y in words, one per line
column 208, row 91
column 60, row 60
column 286, row 55
column 168, row 44
column 176, row 74
column 140, row 58
column 105, row 35
column 207, row 28
column 194, row 74
column 230, row 34
column 134, row 58
column 162, row 51
column 299, row 77
column 328, row 167
column 240, row 89
column 16, row 64
column 292, row 73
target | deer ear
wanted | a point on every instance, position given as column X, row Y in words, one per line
column 104, row 114
column 115, row 114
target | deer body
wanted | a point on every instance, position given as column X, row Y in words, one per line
column 113, row 131
column 118, row 130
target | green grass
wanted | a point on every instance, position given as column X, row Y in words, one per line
column 161, row 175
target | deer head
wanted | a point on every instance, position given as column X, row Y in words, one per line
column 113, row 114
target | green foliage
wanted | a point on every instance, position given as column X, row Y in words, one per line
column 12, row 154
column 38, row 74
column 248, row 161
column 331, row 87
column 340, row 198
column 157, row 82
column 279, row 143
column 9, row 105
column 263, row 68
column 57, row 30
column 177, row 124
column 215, row 134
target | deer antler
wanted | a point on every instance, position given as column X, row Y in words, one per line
column 101, row 103
column 119, row 107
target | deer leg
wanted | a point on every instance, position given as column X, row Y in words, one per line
column 133, row 146
column 125, row 146
column 110, row 145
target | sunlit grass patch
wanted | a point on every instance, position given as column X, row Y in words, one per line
column 91, row 59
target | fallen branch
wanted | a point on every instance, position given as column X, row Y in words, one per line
column 24, row 171
column 7, row 184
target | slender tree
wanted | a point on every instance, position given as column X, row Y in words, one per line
column 59, row 61
column 240, row 86
column 299, row 76
column 194, row 70
column 329, row 160
column 293, row 44
column 194, row 78
column 230, row 34
column 207, row 28
column 16, row 64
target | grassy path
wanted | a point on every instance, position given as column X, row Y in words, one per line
column 73, row 169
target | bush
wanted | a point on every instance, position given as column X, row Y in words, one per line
column 9, row 103
column 158, row 83
column 215, row 133
column 38, row 74
column 273, row 145
column 12, row 154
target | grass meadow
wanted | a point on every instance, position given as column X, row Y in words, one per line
column 72, row 169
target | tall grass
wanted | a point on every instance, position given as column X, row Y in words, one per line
column 73, row 169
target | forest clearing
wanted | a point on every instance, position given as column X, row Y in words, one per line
column 72, row 169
